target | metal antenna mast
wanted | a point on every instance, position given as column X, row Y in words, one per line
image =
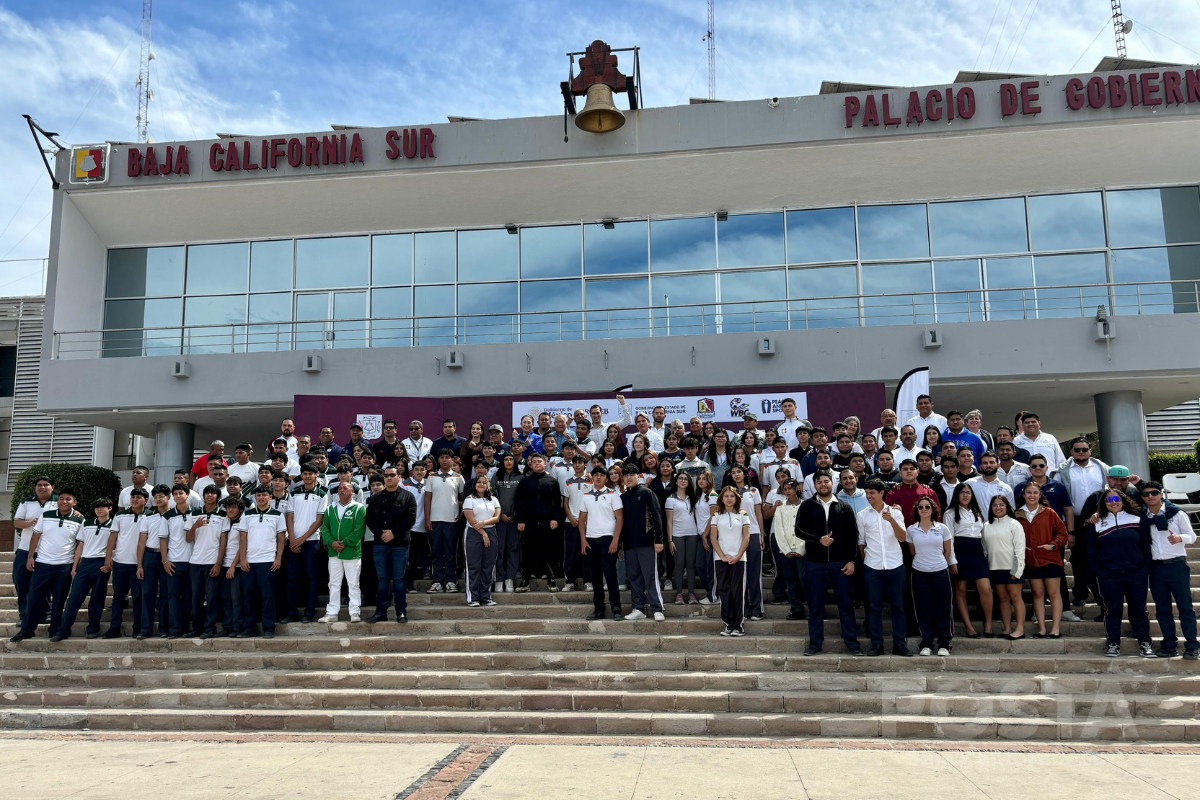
column 145, row 94
column 1120, row 27
column 712, row 50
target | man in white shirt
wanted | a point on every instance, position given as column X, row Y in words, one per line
column 881, row 534
column 123, row 553
column 601, row 517
column 887, row 419
column 443, row 490
column 50, row 557
column 1170, row 577
column 290, row 465
column 26, row 517
column 153, row 532
column 417, row 445
column 583, row 438
column 287, row 432
column 1011, row 471
column 600, row 427
column 306, row 509
column 177, row 563
column 208, row 531
column 925, row 416
column 908, row 447
column 768, row 461
column 261, row 533
column 243, row 467
column 218, row 473
column 987, row 484
column 787, row 428
column 139, row 476
column 1035, row 441
column 643, row 427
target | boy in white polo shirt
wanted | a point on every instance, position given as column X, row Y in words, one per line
column 232, row 590
column 442, row 492
column 152, row 553
column 601, row 516
column 90, row 570
column 305, row 510
column 123, row 552
column 27, row 515
column 261, row 534
column 51, row 552
column 206, row 531
column 177, row 564
column 574, row 484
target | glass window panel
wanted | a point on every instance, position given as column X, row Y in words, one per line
column 349, row 319
column 1158, row 264
column 747, row 289
column 312, row 320
column 893, row 232
column 435, row 257
column 214, row 324
column 435, row 309
column 819, row 283
column 217, row 268
column 1071, row 270
column 624, row 298
column 822, row 234
column 1154, row 216
column 551, row 252
column 265, row 310
column 487, row 255
column 551, row 296
column 1066, row 221
column 978, row 227
column 623, row 248
column 389, row 311
column 331, row 263
column 681, row 244
column 958, row 306
column 1015, row 273
column 684, row 304
column 392, row 260
column 164, row 313
column 145, row 272
column 751, row 240
column 908, row 287
column 487, row 299
column 271, row 265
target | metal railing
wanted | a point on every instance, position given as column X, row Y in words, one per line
column 974, row 305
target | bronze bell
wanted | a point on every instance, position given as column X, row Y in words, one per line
column 599, row 114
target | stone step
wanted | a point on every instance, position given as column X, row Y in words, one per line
column 604, row 723
column 956, row 704
column 649, row 679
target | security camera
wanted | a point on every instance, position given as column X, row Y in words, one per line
column 773, row 102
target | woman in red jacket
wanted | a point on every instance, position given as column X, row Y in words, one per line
column 1045, row 536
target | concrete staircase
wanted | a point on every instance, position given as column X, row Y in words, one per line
column 533, row 665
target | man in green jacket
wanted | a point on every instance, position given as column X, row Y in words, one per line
column 342, row 530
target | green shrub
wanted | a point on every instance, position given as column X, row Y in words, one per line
column 1162, row 463
column 86, row 481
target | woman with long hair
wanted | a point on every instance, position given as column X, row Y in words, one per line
column 614, row 478
column 709, row 428
column 752, row 505
column 482, row 511
column 472, row 448
column 648, row 468
column 662, row 483
column 719, row 454
column 1045, row 535
column 682, row 535
column 965, row 521
column 742, row 458
column 729, row 532
column 608, row 452
column 706, row 500
column 613, row 434
column 1004, row 546
column 508, row 542
column 853, row 427
column 397, row 457
column 639, row 445
column 932, row 439
column 930, row 543
column 1119, row 549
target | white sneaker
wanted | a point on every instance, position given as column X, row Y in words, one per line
column 499, row 587
column 587, row 587
column 704, row 601
column 1070, row 616
column 434, row 589
column 451, row 587
column 925, row 651
column 331, row 618
column 668, row 586
column 621, row 587
column 942, row 651
column 508, row 585
column 490, row 603
column 473, row 604
column 635, row 614
column 355, row 618
column 659, row 616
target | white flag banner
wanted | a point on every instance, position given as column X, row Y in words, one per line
column 720, row 408
column 372, row 425
column 911, row 386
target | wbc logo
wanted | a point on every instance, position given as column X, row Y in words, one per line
column 89, row 164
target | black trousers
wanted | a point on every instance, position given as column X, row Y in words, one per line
column 206, row 598
column 48, row 589
column 603, row 570
column 731, row 586
column 89, row 580
column 1119, row 590
column 538, row 548
column 934, row 601
column 154, row 593
column 1084, row 578
column 127, row 590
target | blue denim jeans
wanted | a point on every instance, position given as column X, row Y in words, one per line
column 1171, row 581
column 390, row 564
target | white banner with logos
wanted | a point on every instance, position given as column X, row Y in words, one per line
column 720, row 408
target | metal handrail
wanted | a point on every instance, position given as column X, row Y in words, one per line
column 956, row 305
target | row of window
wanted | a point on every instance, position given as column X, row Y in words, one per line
column 1006, row 226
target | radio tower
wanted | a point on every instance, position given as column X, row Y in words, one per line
column 1120, row 27
column 712, row 50
column 145, row 94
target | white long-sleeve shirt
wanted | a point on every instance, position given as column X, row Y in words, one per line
column 1160, row 548
column 1045, row 445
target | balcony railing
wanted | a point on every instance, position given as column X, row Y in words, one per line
column 974, row 305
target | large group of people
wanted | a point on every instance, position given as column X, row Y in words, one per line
column 913, row 516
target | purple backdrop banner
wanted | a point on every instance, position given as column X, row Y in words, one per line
column 827, row 403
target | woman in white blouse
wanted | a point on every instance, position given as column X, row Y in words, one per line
column 729, row 532
column 965, row 520
column 1004, row 546
column 929, row 541
column 682, row 535
column 482, row 511
column 706, row 501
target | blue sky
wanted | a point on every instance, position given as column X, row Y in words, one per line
column 268, row 67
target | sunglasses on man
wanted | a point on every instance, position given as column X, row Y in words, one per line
column 1150, row 493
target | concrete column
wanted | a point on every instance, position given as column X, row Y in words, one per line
column 143, row 449
column 174, row 443
column 102, row 448
column 1122, row 428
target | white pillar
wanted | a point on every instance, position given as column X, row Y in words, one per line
column 102, row 448
column 174, row 444
column 1122, row 428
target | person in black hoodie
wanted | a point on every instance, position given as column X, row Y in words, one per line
column 642, row 538
column 538, row 511
column 830, row 533
column 391, row 515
